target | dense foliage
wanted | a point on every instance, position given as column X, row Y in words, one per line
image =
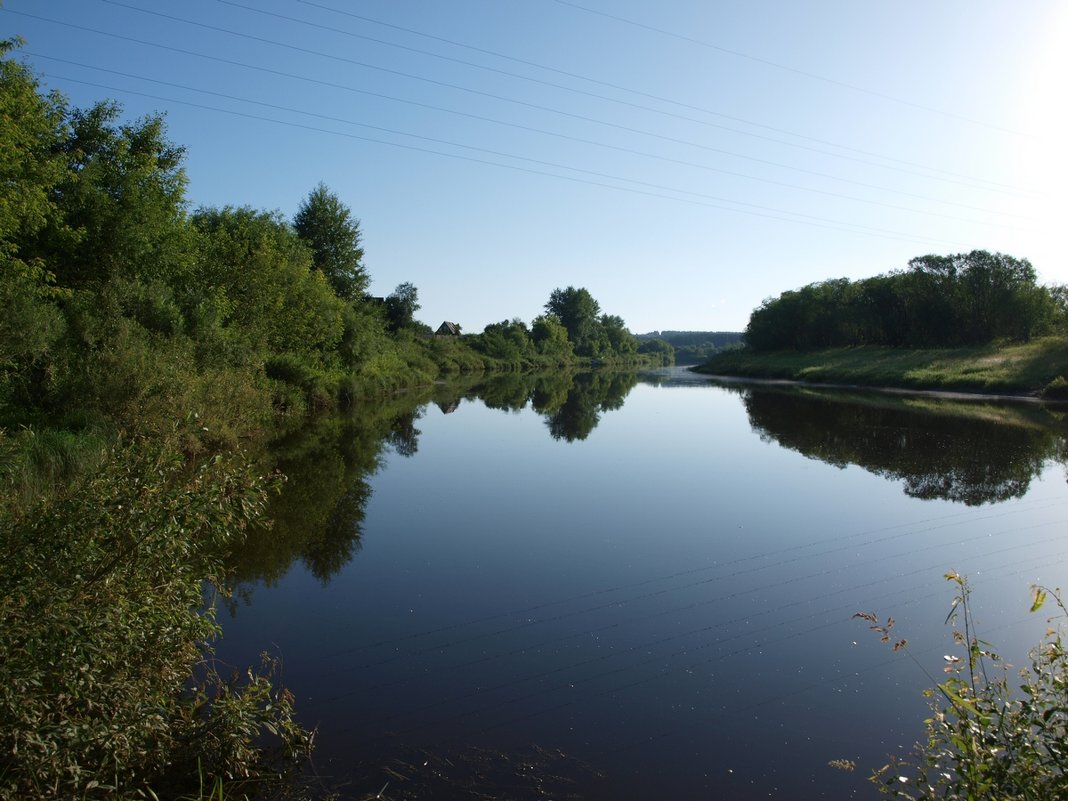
column 591, row 333
column 553, row 339
column 100, row 598
column 326, row 225
column 964, row 299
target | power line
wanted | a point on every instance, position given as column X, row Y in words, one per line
column 608, row 84
column 766, row 213
column 941, row 521
column 787, row 68
column 343, row 120
column 523, row 103
column 674, row 589
column 584, row 93
column 529, row 128
column 571, row 682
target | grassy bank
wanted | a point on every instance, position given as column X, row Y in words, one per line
column 1034, row 368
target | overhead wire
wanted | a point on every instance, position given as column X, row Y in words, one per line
column 976, row 183
column 568, row 137
column 787, row 68
column 717, row 599
column 488, row 151
column 582, row 118
column 767, row 212
column 747, row 618
column 631, row 90
column 572, row 682
column 724, row 572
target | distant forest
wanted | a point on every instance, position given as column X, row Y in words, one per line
column 939, row 301
column 694, row 347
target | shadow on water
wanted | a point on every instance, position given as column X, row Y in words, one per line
column 571, row 403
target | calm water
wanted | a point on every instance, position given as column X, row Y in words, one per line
column 623, row 587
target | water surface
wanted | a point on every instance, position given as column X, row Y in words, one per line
column 624, row 587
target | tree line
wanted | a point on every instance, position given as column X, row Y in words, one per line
column 690, row 347
column 939, row 301
column 573, row 325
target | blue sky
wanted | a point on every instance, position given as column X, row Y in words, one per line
column 682, row 160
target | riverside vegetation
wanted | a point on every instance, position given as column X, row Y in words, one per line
column 974, row 322
column 987, row 737
column 146, row 350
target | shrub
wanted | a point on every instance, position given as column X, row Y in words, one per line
column 101, row 628
column 987, row 739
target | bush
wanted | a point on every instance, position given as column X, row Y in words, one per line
column 100, row 632
column 987, row 739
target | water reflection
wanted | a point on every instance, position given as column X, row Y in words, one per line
column 972, row 453
column 969, row 452
column 571, row 403
column 511, row 593
column 318, row 513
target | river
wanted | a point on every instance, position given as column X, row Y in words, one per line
column 618, row 586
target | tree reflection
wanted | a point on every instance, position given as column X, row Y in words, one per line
column 971, row 453
column 589, row 396
column 571, row 403
column 317, row 516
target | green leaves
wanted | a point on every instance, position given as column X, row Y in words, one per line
column 988, row 737
column 1038, row 598
column 99, row 625
column 328, row 228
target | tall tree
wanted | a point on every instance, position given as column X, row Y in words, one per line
column 579, row 313
column 401, row 306
column 550, row 337
column 31, row 130
column 122, row 197
column 327, row 226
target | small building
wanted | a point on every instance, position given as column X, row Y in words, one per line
column 447, row 329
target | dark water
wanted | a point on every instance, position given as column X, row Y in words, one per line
column 624, row 587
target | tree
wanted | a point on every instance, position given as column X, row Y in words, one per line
column 122, row 197
column 579, row 313
column 257, row 273
column 31, row 128
column 550, row 337
column 661, row 347
column 401, row 306
column 507, row 340
column 327, row 226
column 621, row 342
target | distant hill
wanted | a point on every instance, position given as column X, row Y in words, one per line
column 694, row 347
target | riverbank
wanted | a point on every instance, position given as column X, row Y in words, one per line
column 1036, row 369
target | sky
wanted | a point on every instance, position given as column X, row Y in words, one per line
column 682, row 160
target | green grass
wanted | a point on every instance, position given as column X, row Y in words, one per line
column 1014, row 369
